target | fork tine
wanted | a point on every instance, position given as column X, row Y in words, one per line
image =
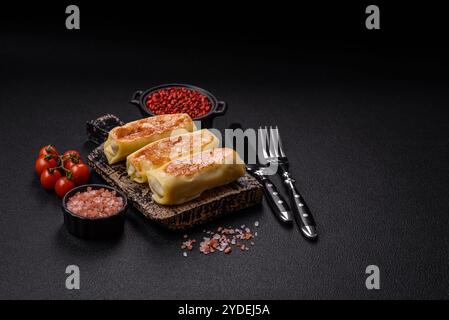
column 281, row 149
column 273, row 143
column 262, row 144
column 269, row 143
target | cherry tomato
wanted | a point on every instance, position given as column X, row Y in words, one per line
column 63, row 185
column 48, row 178
column 69, row 163
column 48, row 149
column 80, row 173
column 72, row 154
column 44, row 162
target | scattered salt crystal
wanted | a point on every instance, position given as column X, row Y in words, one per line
column 221, row 240
column 256, row 224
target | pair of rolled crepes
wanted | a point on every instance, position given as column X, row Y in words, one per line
column 178, row 161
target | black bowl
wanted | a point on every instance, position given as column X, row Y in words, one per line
column 90, row 228
column 218, row 108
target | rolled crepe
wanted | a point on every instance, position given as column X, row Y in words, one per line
column 160, row 152
column 132, row 136
column 184, row 179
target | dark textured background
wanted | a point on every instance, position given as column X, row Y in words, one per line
column 363, row 117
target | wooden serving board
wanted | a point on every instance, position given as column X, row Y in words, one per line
column 241, row 194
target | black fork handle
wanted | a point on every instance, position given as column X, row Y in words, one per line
column 301, row 211
column 276, row 201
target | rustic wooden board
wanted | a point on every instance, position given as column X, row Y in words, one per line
column 213, row 203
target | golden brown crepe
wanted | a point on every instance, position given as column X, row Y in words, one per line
column 132, row 136
column 158, row 153
column 184, row 179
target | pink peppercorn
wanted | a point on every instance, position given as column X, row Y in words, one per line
column 179, row 100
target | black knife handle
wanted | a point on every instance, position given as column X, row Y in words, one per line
column 301, row 212
column 275, row 200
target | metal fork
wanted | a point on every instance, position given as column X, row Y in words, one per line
column 273, row 152
column 274, row 198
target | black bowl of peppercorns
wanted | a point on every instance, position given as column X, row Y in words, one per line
column 172, row 98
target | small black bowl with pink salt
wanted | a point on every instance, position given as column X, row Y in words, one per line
column 94, row 211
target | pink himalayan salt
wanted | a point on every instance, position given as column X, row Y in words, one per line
column 95, row 203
